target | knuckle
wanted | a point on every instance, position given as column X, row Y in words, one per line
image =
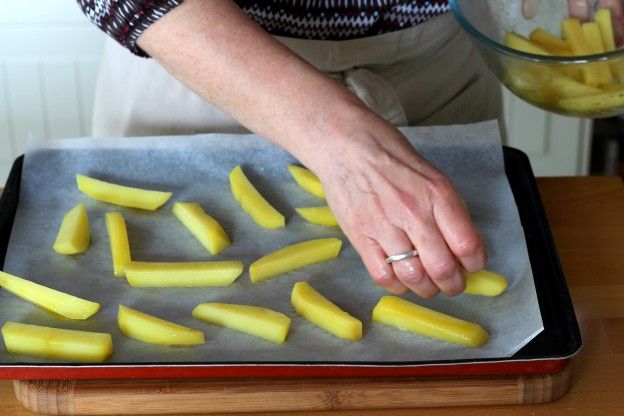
column 468, row 246
column 442, row 186
column 382, row 277
column 442, row 270
column 428, row 292
column 411, row 277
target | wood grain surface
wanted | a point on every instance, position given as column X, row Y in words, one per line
column 587, row 219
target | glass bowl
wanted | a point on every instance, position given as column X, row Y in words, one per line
column 590, row 86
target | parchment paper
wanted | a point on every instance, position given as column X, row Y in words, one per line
column 196, row 169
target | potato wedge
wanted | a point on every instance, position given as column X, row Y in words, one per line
column 596, row 74
column 603, row 18
column 74, row 235
column 119, row 244
column 407, row 316
column 549, row 42
column 52, row 300
column 124, row 196
column 520, row 43
column 294, row 257
column 596, row 103
column 591, row 30
column 152, row 330
column 318, row 215
column 254, row 320
column 204, row 227
column 307, row 180
column 56, row 343
column 183, row 274
column 324, row 313
column 252, row 202
column 484, row 283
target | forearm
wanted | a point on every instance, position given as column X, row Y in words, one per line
column 221, row 54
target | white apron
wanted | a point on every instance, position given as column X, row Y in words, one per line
column 425, row 75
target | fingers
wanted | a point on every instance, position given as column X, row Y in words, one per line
column 440, row 264
column 460, row 234
column 410, row 272
column 374, row 259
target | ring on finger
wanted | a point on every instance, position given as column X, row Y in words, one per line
column 401, row 256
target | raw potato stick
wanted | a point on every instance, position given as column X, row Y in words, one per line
column 52, row 300
column 407, row 316
column 119, row 244
column 56, row 343
column 183, row 274
column 252, row 202
column 293, row 257
column 74, row 234
column 124, row 196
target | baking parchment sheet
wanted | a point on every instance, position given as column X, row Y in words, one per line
column 196, row 168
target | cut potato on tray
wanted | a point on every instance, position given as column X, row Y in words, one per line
column 153, row 330
column 183, row 274
column 74, row 234
column 124, row 196
column 204, row 227
column 254, row 320
column 52, row 300
column 484, row 283
column 407, row 316
column 307, row 180
column 318, row 215
column 322, row 312
column 119, row 244
column 252, row 202
column 56, row 343
column 294, row 257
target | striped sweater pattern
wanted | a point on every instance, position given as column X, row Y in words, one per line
column 125, row 20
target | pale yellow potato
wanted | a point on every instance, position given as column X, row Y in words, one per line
column 124, row 196
column 597, row 103
column 294, row 257
column 595, row 74
column 603, row 18
column 591, row 31
column 74, row 234
column 254, row 320
column 56, row 343
column 152, row 330
column 307, row 180
column 183, row 274
column 252, row 202
column 519, row 42
column 204, row 227
column 324, row 313
column 119, row 244
column 318, row 215
column 484, row 283
column 407, row 316
column 52, row 300
column 549, row 42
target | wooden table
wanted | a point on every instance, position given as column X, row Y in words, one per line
column 587, row 219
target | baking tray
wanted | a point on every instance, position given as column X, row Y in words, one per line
column 549, row 352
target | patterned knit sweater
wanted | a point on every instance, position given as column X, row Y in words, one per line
column 125, row 20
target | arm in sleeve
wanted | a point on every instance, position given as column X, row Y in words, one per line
column 125, row 20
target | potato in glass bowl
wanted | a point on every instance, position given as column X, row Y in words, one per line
column 563, row 56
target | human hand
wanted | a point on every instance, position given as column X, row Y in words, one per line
column 389, row 200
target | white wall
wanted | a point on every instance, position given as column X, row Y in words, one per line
column 49, row 55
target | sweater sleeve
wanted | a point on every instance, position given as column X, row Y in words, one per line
column 125, row 20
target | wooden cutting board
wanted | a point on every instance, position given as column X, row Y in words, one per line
column 125, row 397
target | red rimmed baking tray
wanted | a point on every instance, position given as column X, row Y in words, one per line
column 549, row 352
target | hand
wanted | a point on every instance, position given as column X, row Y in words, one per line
column 389, row 200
